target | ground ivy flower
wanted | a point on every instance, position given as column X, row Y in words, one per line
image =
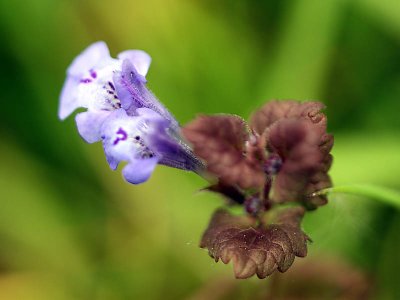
column 90, row 85
column 126, row 138
column 122, row 112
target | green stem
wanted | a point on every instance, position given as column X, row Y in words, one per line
column 386, row 195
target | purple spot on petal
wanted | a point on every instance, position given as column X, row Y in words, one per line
column 86, row 80
column 93, row 74
column 122, row 136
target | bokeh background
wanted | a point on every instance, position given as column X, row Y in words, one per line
column 70, row 228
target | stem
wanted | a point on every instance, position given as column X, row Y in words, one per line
column 384, row 194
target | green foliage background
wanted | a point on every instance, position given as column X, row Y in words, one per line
column 70, row 228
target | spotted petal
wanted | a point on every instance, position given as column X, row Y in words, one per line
column 119, row 133
column 82, row 71
column 90, row 57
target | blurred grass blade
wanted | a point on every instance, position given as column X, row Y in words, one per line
column 387, row 12
column 302, row 57
column 384, row 194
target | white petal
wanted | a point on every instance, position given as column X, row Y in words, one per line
column 89, row 58
column 119, row 131
column 139, row 170
column 68, row 98
column 89, row 124
column 140, row 59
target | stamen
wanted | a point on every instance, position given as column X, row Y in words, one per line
column 111, row 85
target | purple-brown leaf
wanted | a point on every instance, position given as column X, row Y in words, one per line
column 304, row 149
column 274, row 110
column 230, row 193
column 220, row 141
column 259, row 250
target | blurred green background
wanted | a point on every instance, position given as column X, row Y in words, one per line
column 70, row 228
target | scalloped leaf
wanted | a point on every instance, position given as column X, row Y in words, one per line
column 259, row 250
column 275, row 110
column 219, row 140
column 304, row 149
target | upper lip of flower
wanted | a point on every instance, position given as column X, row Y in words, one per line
column 95, row 67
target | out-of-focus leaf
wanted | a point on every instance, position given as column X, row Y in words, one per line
column 389, row 263
column 32, row 286
column 372, row 159
column 384, row 194
column 32, row 222
column 322, row 277
column 385, row 11
column 256, row 249
column 302, row 55
column 351, row 226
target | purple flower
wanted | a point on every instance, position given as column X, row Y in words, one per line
column 133, row 125
column 90, row 85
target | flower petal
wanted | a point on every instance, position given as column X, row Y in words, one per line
column 133, row 93
column 168, row 143
column 173, row 152
column 96, row 55
column 91, row 56
column 130, row 87
column 140, row 60
column 139, row 170
column 112, row 161
column 117, row 132
column 68, row 99
column 89, row 124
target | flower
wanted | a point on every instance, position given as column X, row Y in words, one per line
column 133, row 125
column 282, row 155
